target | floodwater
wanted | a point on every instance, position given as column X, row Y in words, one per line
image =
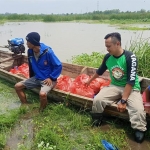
column 7, row 104
column 69, row 39
column 22, row 135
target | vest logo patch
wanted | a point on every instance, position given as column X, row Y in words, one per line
column 117, row 73
column 45, row 62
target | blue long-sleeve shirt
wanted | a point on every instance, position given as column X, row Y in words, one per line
column 47, row 65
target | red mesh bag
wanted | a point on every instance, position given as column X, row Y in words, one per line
column 96, row 84
column 22, row 70
column 106, row 83
column 64, row 83
column 81, row 79
column 85, row 91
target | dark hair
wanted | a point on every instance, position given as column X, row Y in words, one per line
column 115, row 36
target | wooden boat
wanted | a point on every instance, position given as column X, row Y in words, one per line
column 8, row 60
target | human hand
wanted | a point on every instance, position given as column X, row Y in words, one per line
column 121, row 107
column 47, row 81
column 87, row 83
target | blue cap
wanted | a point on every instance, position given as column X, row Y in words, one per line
column 33, row 38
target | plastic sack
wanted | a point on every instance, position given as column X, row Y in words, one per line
column 22, row 70
column 64, row 83
column 73, row 87
column 84, row 91
column 81, row 79
column 106, row 83
column 15, row 70
column 78, row 87
column 96, row 84
column 108, row 146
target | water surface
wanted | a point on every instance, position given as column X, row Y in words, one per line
column 68, row 39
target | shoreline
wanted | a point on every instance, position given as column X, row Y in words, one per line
column 120, row 24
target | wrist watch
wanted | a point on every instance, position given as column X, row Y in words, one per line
column 123, row 101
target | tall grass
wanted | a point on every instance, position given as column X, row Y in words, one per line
column 140, row 47
column 111, row 15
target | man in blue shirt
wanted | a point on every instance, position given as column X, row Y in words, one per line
column 44, row 69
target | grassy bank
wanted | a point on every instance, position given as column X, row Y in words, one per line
column 58, row 127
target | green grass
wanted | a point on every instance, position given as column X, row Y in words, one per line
column 93, row 60
column 133, row 28
column 67, row 129
column 58, row 127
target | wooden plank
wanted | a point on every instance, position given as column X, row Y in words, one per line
column 10, row 58
column 71, row 70
column 140, row 78
column 10, row 77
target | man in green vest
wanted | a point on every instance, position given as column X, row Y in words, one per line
column 124, row 87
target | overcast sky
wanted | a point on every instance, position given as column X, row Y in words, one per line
column 70, row 6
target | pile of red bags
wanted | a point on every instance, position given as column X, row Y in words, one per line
column 77, row 85
column 64, row 83
column 21, row 70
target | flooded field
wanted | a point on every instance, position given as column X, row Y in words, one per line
column 69, row 39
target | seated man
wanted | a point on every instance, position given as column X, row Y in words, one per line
column 44, row 69
column 122, row 65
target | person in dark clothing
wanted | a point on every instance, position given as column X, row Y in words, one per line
column 125, row 87
column 44, row 69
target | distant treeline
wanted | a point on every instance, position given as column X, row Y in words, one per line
column 96, row 15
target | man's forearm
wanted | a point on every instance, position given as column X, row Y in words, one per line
column 127, row 91
column 94, row 77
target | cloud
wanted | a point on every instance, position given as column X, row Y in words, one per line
column 70, row 6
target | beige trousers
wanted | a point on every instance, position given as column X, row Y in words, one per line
column 135, row 107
